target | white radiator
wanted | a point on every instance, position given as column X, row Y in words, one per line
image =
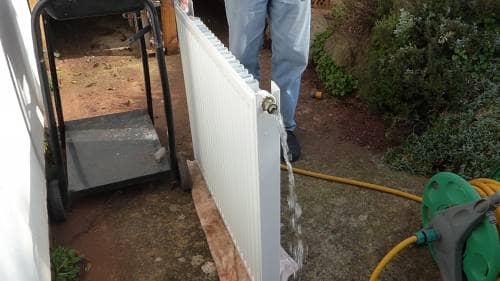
column 236, row 144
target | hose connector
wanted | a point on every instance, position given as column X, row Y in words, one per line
column 426, row 236
column 269, row 105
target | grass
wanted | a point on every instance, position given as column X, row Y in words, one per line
column 65, row 264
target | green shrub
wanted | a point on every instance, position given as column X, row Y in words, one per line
column 428, row 60
column 435, row 65
column 335, row 79
column 339, row 13
column 471, row 148
column 65, row 264
column 466, row 143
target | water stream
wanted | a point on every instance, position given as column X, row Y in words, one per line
column 296, row 245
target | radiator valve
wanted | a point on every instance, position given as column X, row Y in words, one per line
column 269, row 105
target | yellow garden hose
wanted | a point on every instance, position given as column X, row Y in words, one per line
column 485, row 187
column 391, row 254
column 357, row 183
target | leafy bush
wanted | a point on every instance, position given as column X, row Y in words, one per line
column 339, row 13
column 429, row 60
column 335, row 79
column 65, row 264
column 431, row 66
column 435, row 65
column 466, row 143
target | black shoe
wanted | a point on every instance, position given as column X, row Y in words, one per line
column 294, row 148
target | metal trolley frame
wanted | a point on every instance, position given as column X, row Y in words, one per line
column 109, row 151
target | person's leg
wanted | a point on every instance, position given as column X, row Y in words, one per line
column 290, row 29
column 246, row 19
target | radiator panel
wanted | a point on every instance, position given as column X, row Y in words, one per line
column 235, row 143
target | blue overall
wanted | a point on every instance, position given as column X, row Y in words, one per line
column 290, row 22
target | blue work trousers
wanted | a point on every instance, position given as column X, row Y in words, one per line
column 290, row 22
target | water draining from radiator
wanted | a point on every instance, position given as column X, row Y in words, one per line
column 296, row 246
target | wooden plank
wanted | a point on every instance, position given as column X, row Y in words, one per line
column 169, row 27
column 229, row 265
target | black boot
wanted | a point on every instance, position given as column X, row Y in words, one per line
column 294, row 148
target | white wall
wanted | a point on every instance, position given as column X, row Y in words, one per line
column 24, row 242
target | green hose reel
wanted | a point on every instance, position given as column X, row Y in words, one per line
column 481, row 256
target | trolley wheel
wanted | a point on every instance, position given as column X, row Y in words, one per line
column 55, row 204
column 184, row 175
